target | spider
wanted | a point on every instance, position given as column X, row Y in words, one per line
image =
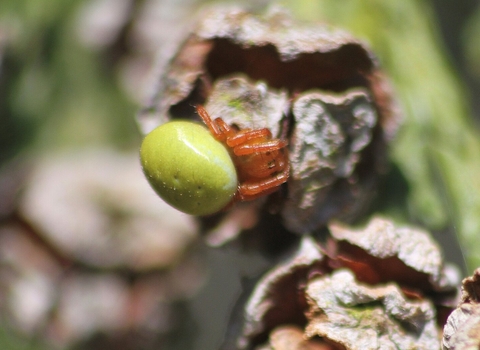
column 202, row 171
column 261, row 161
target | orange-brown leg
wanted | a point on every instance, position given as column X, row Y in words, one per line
column 227, row 130
column 261, row 147
column 252, row 190
column 246, row 135
column 214, row 128
column 262, row 165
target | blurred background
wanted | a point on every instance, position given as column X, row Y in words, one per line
column 91, row 259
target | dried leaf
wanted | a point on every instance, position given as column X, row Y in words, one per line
column 406, row 255
column 462, row 330
column 331, row 131
column 471, row 288
column 382, row 252
column 358, row 316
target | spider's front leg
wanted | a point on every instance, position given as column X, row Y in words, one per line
column 219, row 129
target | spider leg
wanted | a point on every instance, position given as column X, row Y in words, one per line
column 244, row 136
column 252, row 190
column 262, row 147
column 228, row 131
column 214, row 128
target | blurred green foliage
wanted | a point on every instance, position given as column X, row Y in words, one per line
column 438, row 148
column 471, row 43
column 57, row 92
column 9, row 340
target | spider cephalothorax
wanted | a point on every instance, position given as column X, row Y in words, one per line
column 260, row 160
